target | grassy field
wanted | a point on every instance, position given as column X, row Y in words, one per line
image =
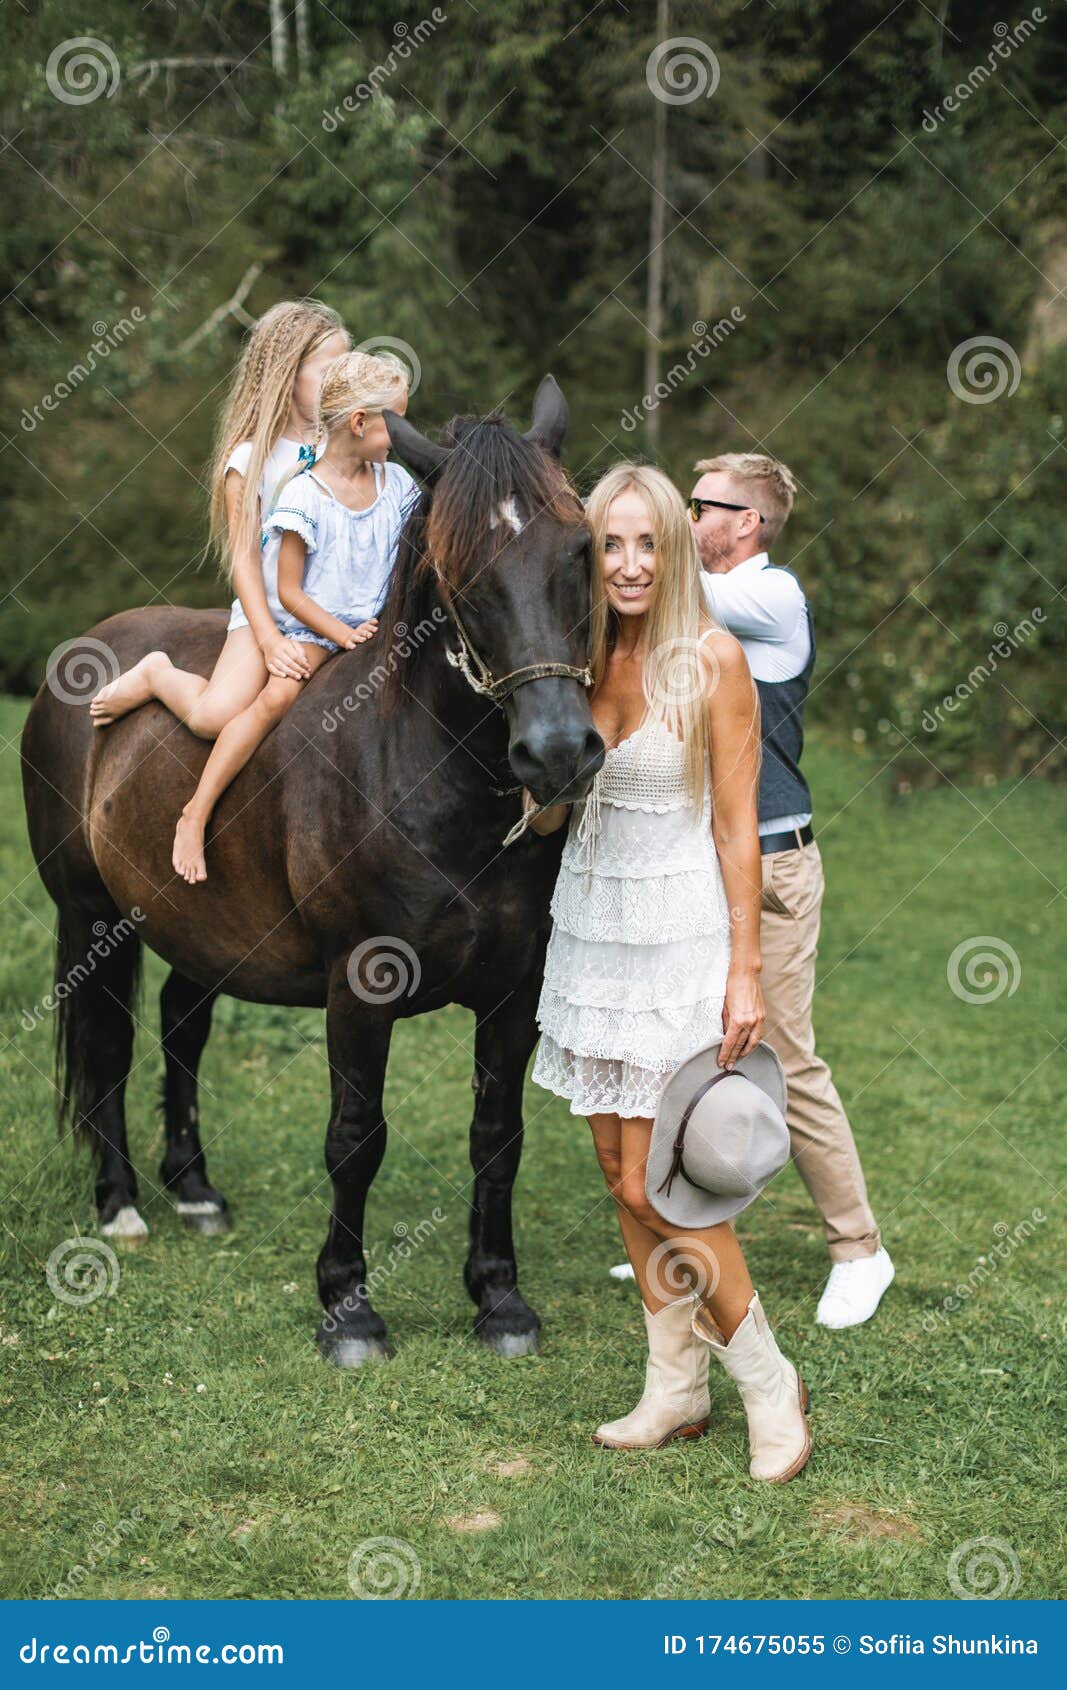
column 182, row 1438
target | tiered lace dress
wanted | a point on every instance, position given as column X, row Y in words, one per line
column 635, row 974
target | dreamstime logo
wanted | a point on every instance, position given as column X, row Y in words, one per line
column 388, row 346
column 984, row 1569
column 1009, row 1239
column 406, row 641
column 78, row 668
column 108, row 338
column 384, row 968
column 707, row 339
column 407, row 39
column 106, row 939
column 682, row 671
column 983, row 369
column 81, row 69
column 384, row 1569
column 80, row 1270
column 981, row 969
column 682, row 70
column 670, row 1277
column 1007, row 643
column 103, row 1540
column 1007, row 39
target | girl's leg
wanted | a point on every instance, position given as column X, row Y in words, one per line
column 232, row 749
column 203, row 705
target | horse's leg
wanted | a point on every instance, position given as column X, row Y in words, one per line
column 502, row 1046
column 357, row 1038
column 185, row 1012
column 98, row 958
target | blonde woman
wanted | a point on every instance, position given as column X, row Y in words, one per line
column 337, row 522
column 654, row 949
column 268, row 429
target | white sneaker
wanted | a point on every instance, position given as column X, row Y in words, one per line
column 854, row 1290
column 623, row 1271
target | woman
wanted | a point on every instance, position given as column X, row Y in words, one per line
column 655, row 950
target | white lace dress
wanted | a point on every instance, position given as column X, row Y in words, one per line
column 635, row 974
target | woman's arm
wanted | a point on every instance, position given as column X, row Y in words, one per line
column 734, row 732
column 307, row 610
column 282, row 657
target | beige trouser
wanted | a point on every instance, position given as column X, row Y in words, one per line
column 823, row 1147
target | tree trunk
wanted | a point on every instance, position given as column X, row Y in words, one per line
column 279, row 46
column 303, row 39
column 654, row 300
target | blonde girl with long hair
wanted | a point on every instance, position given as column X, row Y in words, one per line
column 337, row 522
column 268, row 427
column 654, row 950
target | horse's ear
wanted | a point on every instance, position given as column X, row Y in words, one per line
column 550, row 416
column 423, row 458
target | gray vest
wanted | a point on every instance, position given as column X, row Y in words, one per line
column 783, row 791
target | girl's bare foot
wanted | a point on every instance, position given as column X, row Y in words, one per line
column 188, row 855
column 132, row 689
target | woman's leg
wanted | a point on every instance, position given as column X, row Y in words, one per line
column 711, row 1255
column 674, row 1402
column 232, row 750
column 666, row 1282
column 205, row 706
column 771, row 1389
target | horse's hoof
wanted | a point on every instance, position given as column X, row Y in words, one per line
column 352, row 1352
column 511, row 1344
column 127, row 1226
column 208, row 1219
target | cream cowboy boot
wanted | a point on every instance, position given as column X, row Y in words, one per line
column 774, row 1395
column 675, row 1402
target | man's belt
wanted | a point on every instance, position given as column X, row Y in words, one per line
column 791, row 840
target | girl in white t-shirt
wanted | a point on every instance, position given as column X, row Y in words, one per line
column 267, row 429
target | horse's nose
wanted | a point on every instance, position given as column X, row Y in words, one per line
column 557, row 761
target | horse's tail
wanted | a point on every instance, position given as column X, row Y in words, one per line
column 97, row 977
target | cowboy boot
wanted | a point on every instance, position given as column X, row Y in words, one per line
column 675, row 1402
column 774, row 1395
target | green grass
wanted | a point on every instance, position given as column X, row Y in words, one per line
column 192, row 1405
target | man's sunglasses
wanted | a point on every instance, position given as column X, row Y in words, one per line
column 697, row 507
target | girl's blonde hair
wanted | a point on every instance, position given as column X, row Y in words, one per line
column 674, row 676
column 258, row 409
column 359, row 381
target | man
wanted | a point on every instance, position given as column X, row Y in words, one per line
column 739, row 506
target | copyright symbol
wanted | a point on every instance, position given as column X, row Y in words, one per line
column 842, row 1645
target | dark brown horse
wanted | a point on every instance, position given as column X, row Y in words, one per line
column 356, row 863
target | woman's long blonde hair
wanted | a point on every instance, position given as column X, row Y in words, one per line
column 674, row 675
column 258, row 410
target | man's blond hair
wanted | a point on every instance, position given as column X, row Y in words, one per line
column 768, row 484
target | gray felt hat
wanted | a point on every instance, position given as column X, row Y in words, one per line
column 719, row 1136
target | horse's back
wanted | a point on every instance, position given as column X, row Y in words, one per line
column 60, row 746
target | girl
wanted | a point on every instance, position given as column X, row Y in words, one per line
column 654, row 950
column 268, row 427
column 338, row 523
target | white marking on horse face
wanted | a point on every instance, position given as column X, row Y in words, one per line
column 507, row 511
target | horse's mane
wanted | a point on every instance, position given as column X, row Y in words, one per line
column 453, row 526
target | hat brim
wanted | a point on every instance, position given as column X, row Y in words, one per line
column 690, row 1206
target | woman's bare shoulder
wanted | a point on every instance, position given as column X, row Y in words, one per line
column 723, row 657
